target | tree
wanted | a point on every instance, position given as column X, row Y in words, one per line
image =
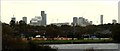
column 14, row 43
column 22, row 26
column 116, row 32
column 52, row 30
column 7, row 35
column 12, row 23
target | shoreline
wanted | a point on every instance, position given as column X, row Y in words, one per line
column 81, row 43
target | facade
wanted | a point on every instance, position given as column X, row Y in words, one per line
column 114, row 21
column 25, row 19
column 81, row 21
column 75, row 21
column 37, row 21
column 101, row 19
column 119, row 12
column 43, row 15
column 13, row 18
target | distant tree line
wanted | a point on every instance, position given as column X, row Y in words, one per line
column 51, row 31
column 12, row 32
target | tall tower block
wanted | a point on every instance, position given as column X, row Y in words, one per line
column 43, row 15
column 75, row 20
column 13, row 18
column 101, row 19
column 25, row 19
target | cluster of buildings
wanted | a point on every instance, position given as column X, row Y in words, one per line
column 42, row 20
column 101, row 20
column 37, row 21
column 81, row 21
column 84, row 22
column 23, row 19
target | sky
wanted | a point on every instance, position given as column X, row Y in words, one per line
column 60, row 11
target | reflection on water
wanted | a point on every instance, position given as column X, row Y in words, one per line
column 82, row 47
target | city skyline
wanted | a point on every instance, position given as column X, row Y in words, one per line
column 60, row 11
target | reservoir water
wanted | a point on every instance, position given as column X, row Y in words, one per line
column 84, row 47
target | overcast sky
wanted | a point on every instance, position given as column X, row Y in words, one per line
column 60, row 11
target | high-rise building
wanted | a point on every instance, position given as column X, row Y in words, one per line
column 119, row 12
column 81, row 20
column 75, row 21
column 43, row 15
column 25, row 19
column 101, row 19
column 114, row 21
column 13, row 18
column 45, row 19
